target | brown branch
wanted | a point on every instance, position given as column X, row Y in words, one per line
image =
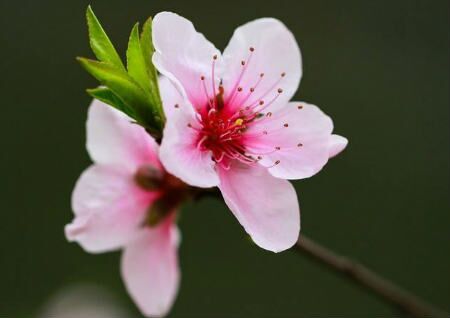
column 360, row 275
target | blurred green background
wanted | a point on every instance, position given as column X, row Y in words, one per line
column 380, row 69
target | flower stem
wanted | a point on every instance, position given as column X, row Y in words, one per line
column 362, row 276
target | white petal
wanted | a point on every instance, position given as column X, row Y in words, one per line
column 150, row 269
column 108, row 207
column 337, row 144
column 179, row 152
column 275, row 52
column 113, row 139
column 265, row 206
column 184, row 55
column 297, row 151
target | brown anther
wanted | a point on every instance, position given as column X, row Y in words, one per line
column 261, row 102
column 202, row 78
column 264, row 132
column 277, row 162
column 215, row 57
column 283, row 74
column 252, row 49
column 176, row 106
column 300, row 145
column 247, row 107
column 269, row 114
column 242, row 63
column 277, row 148
column 280, row 91
column 239, row 89
column 259, row 157
column 286, row 125
column 189, row 125
column 299, row 106
column 252, row 89
column 261, row 75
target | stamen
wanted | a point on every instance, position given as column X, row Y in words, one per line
column 213, row 77
column 241, row 75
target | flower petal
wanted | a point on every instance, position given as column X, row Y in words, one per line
column 337, row 144
column 179, row 152
column 108, row 209
column 265, row 206
column 293, row 142
column 150, row 269
column 275, row 51
column 184, row 55
column 113, row 139
column 171, row 97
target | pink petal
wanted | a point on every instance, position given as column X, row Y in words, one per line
column 113, row 139
column 293, row 142
column 184, row 55
column 275, row 52
column 265, row 206
column 337, row 144
column 108, row 209
column 179, row 152
column 150, row 269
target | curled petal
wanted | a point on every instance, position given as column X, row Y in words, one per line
column 337, row 145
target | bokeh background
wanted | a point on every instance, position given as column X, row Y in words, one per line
column 380, row 69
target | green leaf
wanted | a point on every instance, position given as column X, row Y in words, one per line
column 100, row 43
column 147, row 52
column 123, row 86
column 105, row 95
column 136, row 64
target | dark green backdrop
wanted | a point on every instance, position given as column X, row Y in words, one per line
column 379, row 68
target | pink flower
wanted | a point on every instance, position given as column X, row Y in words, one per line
column 232, row 125
column 117, row 197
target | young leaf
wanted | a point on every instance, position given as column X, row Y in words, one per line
column 105, row 95
column 147, row 52
column 136, row 64
column 123, row 86
column 100, row 43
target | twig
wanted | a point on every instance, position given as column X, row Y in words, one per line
column 363, row 276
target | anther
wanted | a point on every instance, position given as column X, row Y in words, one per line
column 277, row 162
column 189, row 125
column 264, row 132
column 202, row 78
column 269, row 114
column 280, row 90
column 176, row 106
column 252, row 89
column 299, row 106
column 215, row 57
column 261, row 102
column 286, row 125
column 283, row 74
column 242, row 63
column 239, row 89
column 252, row 49
column 261, row 75
column 300, row 145
column 277, row 148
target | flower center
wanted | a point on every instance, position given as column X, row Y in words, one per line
column 223, row 121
